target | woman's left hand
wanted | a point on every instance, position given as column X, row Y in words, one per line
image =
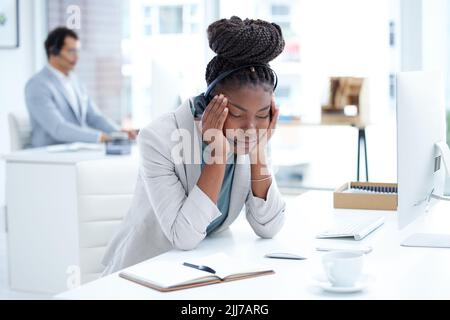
column 273, row 123
column 265, row 135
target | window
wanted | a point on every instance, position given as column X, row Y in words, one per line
column 280, row 10
column 148, row 29
column 281, row 14
column 148, row 20
column 192, row 18
column 100, row 62
column 170, row 19
column 147, row 11
column 164, row 55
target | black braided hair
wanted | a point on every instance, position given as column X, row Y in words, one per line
column 243, row 42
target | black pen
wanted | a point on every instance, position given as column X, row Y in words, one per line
column 202, row 268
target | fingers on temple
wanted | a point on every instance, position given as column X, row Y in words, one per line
column 222, row 118
column 207, row 113
column 218, row 111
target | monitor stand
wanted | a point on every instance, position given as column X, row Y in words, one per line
column 433, row 240
column 429, row 240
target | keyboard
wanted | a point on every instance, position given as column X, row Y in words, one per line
column 76, row 146
column 357, row 229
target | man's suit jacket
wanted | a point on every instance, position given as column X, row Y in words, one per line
column 55, row 120
column 169, row 210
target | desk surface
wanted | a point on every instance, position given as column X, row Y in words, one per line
column 397, row 272
column 42, row 155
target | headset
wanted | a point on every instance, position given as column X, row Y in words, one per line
column 201, row 101
column 54, row 48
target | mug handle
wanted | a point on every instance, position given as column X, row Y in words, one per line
column 328, row 266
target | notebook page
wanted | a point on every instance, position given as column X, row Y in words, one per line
column 165, row 273
column 225, row 265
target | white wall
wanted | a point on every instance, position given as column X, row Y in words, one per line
column 435, row 34
column 411, row 26
column 425, row 36
column 16, row 67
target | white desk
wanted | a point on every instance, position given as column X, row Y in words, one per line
column 62, row 209
column 398, row 272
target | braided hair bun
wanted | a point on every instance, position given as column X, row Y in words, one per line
column 241, row 42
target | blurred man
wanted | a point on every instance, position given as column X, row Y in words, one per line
column 59, row 107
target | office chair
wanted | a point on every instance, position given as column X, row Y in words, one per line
column 19, row 131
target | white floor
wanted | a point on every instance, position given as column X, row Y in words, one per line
column 5, row 292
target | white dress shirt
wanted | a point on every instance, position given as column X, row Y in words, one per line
column 68, row 85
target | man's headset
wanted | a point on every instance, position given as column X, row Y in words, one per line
column 54, row 50
column 201, row 101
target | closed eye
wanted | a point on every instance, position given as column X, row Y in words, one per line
column 234, row 114
column 263, row 116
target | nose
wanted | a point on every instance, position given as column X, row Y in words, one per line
column 249, row 124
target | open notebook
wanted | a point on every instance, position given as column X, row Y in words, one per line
column 170, row 275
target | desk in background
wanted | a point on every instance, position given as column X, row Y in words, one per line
column 62, row 210
column 397, row 272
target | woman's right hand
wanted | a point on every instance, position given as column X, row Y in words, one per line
column 213, row 120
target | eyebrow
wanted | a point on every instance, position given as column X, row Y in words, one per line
column 244, row 109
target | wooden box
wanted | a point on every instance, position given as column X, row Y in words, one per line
column 343, row 198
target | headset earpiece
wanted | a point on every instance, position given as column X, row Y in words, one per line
column 54, row 50
column 199, row 105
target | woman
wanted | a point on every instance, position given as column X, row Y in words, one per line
column 178, row 201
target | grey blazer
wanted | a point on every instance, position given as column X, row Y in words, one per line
column 53, row 119
column 169, row 210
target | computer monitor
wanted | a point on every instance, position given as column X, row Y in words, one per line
column 421, row 125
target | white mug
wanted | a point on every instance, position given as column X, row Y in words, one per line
column 343, row 268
